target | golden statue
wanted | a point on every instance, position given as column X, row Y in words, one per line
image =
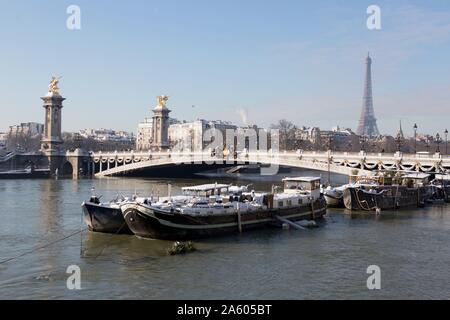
column 53, row 86
column 162, row 101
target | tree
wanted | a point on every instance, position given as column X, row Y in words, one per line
column 287, row 134
column 75, row 141
column 23, row 142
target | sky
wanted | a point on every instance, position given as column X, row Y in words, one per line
column 298, row 60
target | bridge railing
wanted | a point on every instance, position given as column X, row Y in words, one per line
column 255, row 155
column 7, row 156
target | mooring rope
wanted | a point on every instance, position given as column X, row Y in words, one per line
column 42, row 247
column 368, row 208
column 108, row 243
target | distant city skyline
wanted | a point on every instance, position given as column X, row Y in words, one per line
column 232, row 61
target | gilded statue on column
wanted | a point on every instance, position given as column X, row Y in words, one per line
column 53, row 86
column 162, row 100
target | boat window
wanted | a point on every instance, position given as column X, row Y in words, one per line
column 302, row 185
column 293, row 185
column 280, row 203
column 300, row 201
column 315, row 185
column 289, row 203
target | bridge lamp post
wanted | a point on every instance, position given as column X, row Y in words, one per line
column 446, row 141
column 363, row 139
column 374, row 147
column 399, row 140
column 330, row 149
column 438, row 142
column 330, row 142
column 77, row 139
column 415, row 137
column 427, row 144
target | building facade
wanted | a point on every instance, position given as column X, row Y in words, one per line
column 191, row 135
column 31, row 129
column 3, row 139
column 144, row 135
column 107, row 135
column 310, row 134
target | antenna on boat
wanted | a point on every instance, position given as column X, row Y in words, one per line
column 135, row 191
column 238, row 211
column 274, row 188
column 169, row 191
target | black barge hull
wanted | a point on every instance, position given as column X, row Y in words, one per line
column 104, row 219
column 386, row 198
column 24, row 174
column 156, row 224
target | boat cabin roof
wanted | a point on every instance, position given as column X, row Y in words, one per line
column 417, row 175
column 363, row 176
column 440, row 176
column 301, row 179
column 205, row 187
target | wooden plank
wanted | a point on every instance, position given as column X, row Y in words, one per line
column 291, row 223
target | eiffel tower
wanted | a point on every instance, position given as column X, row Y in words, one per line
column 367, row 123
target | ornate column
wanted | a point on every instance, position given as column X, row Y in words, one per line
column 52, row 141
column 160, row 128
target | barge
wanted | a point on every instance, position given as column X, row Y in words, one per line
column 224, row 213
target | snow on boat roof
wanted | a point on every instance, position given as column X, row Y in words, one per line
column 418, row 175
column 205, row 187
column 301, row 179
column 442, row 176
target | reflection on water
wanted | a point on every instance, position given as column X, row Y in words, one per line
column 411, row 248
column 49, row 205
column 129, row 248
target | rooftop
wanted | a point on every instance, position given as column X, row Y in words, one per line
column 302, row 179
column 416, row 175
column 205, row 187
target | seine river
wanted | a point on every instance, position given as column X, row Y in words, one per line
column 412, row 249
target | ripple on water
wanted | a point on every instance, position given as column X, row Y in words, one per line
column 411, row 248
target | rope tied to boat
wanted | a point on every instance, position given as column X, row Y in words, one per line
column 107, row 244
column 360, row 202
column 42, row 246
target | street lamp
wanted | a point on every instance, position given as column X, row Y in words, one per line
column 446, row 141
column 330, row 142
column 363, row 139
column 427, row 144
column 399, row 141
column 330, row 149
column 415, row 137
column 77, row 139
column 438, row 142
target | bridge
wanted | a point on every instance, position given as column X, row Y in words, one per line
column 107, row 164
column 347, row 163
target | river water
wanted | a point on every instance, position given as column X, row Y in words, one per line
column 412, row 249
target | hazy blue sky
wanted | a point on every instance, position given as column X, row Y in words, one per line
column 300, row 60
